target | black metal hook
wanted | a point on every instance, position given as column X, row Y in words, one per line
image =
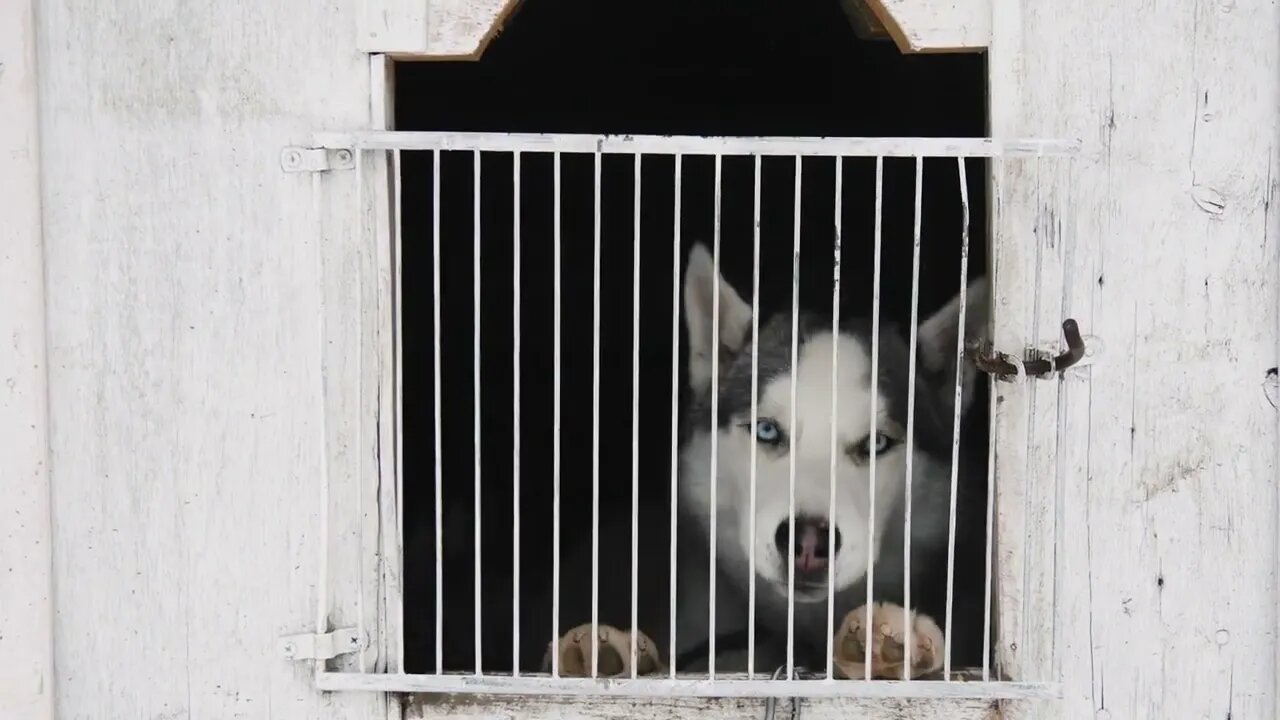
column 1003, row 368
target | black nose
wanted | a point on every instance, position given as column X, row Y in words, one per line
column 812, row 548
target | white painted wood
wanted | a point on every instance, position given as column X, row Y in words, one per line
column 348, row 214
column 385, row 490
column 432, row 29
column 388, row 26
column 462, row 29
column 1147, row 485
column 931, row 26
column 388, row 585
column 461, row 707
column 26, row 562
column 198, row 331
column 217, row 342
column 1010, row 294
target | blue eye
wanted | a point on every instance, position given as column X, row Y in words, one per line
column 882, row 443
column 767, row 431
column 878, row 445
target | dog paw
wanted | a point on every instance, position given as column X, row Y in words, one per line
column 575, row 649
column 886, row 634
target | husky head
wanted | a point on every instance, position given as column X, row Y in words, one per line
column 827, row 368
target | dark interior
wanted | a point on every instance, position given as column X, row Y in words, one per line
column 695, row 67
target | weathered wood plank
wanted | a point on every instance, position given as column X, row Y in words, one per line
column 186, row 306
column 26, row 566
column 1163, row 536
column 931, row 26
column 488, row 707
column 433, row 29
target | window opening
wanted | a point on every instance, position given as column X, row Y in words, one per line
column 560, row 323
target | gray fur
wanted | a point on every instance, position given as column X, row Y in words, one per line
column 932, row 429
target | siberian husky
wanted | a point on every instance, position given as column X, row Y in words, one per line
column 828, row 365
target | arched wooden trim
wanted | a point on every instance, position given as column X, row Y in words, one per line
column 923, row 26
column 433, row 29
column 462, row 29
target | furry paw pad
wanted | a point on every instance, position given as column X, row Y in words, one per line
column 887, row 637
column 614, row 646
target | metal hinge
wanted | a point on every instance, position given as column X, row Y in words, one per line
column 312, row 646
column 309, row 159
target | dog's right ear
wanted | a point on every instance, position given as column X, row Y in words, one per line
column 938, row 337
column 700, row 283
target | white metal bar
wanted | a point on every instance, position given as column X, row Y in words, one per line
column 875, row 401
column 595, row 433
column 675, row 404
column 635, row 415
column 475, row 399
column 955, row 419
column 755, row 412
column 1064, row 427
column 991, row 507
column 988, row 575
column 835, row 393
column 694, row 145
column 715, row 417
column 515, row 411
column 1033, row 446
column 555, row 429
column 439, row 435
column 735, row 686
column 362, row 233
column 322, row 582
column 793, row 430
column 911, row 411
column 398, row 399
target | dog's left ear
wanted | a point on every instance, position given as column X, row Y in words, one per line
column 701, row 282
column 937, row 343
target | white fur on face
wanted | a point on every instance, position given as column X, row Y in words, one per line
column 809, row 439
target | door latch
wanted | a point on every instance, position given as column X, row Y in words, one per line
column 1037, row 364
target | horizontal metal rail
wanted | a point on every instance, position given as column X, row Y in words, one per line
column 695, row 145
column 724, row 685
